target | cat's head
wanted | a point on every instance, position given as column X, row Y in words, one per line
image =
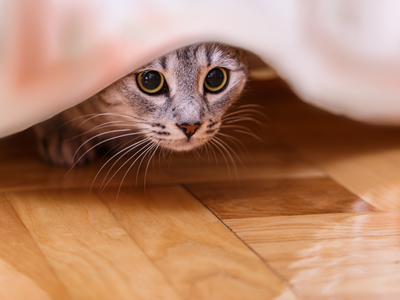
column 179, row 99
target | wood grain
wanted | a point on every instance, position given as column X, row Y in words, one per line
column 279, row 197
column 306, row 227
column 22, row 264
column 199, row 255
column 288, row 255
column 90, row 252
column 370, row 281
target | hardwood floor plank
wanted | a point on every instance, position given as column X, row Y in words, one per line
column 90, row 252
column 266, row 229
column 362, row 158
column 22, row 264
column 201, row 257
column 330, row 252
column 277, row 197
column 373, row 176
column 370, row 282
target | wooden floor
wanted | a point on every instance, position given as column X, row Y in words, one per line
column 314, row 215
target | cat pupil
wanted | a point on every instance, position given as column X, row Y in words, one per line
column 215, row 78
column 151, row 80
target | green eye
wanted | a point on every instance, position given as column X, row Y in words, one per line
column 216, row 80
column 150, row 82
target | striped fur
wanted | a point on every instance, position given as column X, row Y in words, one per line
column 121, row 115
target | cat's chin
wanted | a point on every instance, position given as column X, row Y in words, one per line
column 184, row 145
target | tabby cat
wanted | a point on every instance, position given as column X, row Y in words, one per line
column 175, row 102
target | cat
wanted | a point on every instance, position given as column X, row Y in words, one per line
column 175, row 102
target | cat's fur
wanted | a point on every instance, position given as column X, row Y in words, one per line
column 122, row 115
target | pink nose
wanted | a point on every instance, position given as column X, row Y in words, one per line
column 189, row 130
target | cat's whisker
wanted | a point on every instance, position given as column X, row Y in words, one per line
column 250, row 134
column 98, row 144
column 251, row 105
column 120, row 145
column 196, row 153
column 212, row 150
column 234, row 126
column 205, row 147
column 126, row 150
column 141, row 161
column 116, row 172
column 90, row 149
column 147, row 167
column 242, row 111
column 214, row 142
column 253, row 108
column 244, row 130
column 140, row 164
column 103, row 126
column 238, row 143
column 226, row 147
column 244, row 118
column 168, row 156
column 97, row 115
column 98, row 135
column 143, row 151
column 239, row 115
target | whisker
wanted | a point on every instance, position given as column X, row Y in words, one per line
column 242, row 111
column 215, row 155
column 244, row 119
column 148, row 163
column 243, row 130
column 93, row 116
column 126, row 150
column 233, row 151
column 98, row 144
column 141, row 161
column 207, row 152
column 223, row 155
column 98, row 135
column 238, row 143
column 155, row 145
column 144, row 150
column 102, row 126
column 250, row 134
column 234, row 126
column 120, row 145
column 218, row 141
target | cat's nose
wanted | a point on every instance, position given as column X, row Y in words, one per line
column 189, row 130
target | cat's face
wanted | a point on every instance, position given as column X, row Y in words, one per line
column 180, row 98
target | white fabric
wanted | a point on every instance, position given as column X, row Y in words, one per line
column 341, row 55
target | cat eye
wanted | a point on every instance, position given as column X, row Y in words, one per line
column 216, row 80
column 150, row 82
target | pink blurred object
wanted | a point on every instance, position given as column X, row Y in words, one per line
column 342, row 56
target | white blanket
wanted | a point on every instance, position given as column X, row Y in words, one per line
column 340, row 55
